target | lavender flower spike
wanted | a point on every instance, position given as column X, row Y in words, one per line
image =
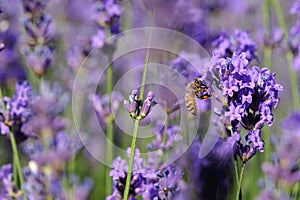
column 283, row 172
column 7, row 189
column 39, row 30
column 136, row 107
column 16, row 113
column 119, row 175
column 249, row 96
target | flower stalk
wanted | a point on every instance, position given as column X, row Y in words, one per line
column 289, row 56
column 268, row 64
column 16, row 160
column 239, row 191
column 136, row 126
column 109, row 124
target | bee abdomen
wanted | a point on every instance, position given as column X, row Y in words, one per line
column 191, row 104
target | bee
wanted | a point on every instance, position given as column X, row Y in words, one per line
column 195, row 89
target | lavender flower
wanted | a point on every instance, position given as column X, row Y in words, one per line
column 273, row 195
column 188, row 17
column 8, row 189
column 82, row 189
column 209, row 177
column 240, row 42
column 98, row 40
column 39, row 59
column 39, row 184
column 137, row 108
column 10, row 59
column 35, row 182
column 16, row 112
column 275, row 39
column 165, row 137
column 102, row 104
column 294, row 39
column 34, row 7
column 296, row 62
column 166, row 184
column 147, row 104
column 183, row 67
column 147, row 181
column 133, row 104
column 106, row 14
column 119, row 175
column 53, row 146
column 50, row 152
column 283, row 172
column 45, row 120
column 39, row 32
column 54, row 151
column 249, row 95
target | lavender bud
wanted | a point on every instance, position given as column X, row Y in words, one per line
column 131, row 107
column 39, row 59
column 148, row 103
column 30, row 30
column 133, row 96
column 99, row 39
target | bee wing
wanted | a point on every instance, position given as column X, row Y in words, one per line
column 189, row 87
column 191, row 103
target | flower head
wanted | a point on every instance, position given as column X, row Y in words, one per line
column 8, row 188
column 39, row 30
column 283, row 172
column 39, row 59
column 165, row 137
column 239, row 42
column 16, row 112
column 137, row 108
column 106, row 106
column 119, row 175
column 248, row 95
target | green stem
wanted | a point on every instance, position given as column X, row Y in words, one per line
column 166, row 128
column 239, row 187
column 16, row 158
column 268, row 64
column 80, row 97
column 2, row 101
column 15, row 171
column 268, row 57
column 145, row 72
column 267, row 17
column 236, row 170
column 280, row 17
column 294, row 81
column 109, row 155
column 136, row 125
column 109, row 124
column 131, row 159
column 289, row 56
column 295, row 189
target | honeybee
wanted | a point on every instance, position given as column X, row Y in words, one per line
column 200, row 90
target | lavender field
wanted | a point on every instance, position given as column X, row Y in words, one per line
column 149, row 100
